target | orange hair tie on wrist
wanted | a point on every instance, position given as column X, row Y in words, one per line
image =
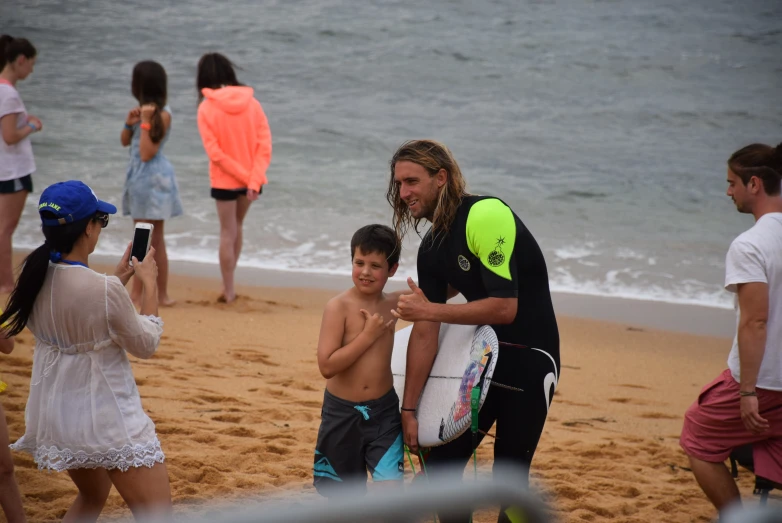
column 146, row 126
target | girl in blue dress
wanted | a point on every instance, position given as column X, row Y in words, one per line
column 151, row 194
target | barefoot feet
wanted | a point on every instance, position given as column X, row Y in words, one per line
column 166, row 301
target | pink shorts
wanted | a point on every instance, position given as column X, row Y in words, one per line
column 713, row 427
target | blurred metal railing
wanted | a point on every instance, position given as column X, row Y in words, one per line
column 765, row 514
column 417, row 502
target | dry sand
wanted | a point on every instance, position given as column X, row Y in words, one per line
column 236, row 394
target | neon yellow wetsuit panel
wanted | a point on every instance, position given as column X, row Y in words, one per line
column 491, row 235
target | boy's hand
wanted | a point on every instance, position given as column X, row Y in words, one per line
column 375, row 325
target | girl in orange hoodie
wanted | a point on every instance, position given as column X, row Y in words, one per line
column 238, row 141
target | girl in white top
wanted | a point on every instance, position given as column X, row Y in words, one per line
column 17, row 59
column 84, row 414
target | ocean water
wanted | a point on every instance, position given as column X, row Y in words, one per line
column 605, row 124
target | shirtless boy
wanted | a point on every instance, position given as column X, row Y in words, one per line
column 360, row 426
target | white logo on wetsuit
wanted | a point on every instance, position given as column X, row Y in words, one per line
column 464, row 263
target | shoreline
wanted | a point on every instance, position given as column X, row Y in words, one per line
column 634, row 313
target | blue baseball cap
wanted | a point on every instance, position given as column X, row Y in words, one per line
column 71, row 201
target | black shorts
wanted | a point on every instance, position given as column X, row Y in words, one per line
column 518, row 400
column 25, row 183
column 354, row 437
column 228, row 195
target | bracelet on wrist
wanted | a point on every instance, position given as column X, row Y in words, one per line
column 408, row 410
column 744, row 393
column 128, row 127
column 32, row 126
column 146, row 126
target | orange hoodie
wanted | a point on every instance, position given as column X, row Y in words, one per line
column 236, row 137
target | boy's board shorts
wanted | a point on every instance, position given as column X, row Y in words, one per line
column 713, row 427
column 354, row 437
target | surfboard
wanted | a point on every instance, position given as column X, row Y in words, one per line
column 466, row 357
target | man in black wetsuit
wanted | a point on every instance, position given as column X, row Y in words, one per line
column 478, row 247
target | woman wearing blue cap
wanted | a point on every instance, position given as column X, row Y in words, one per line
column 84, row 413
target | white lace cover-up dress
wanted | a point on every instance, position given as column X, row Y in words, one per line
column 84, row 409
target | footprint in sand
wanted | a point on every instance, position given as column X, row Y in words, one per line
column 48, row 495
column 239, row 432
column 18, row 372
column 216, row 398
column 291, row 383
column 631, row 401
column 227, row 418
column 204, row 438
column 279, row 438
column 274, row 449
column 658, row 415
column 573, row 403
column 277, row 393
column 178, row 341
column 569, row 492
column 254, row 357
column 13, row 361
column 164, row 429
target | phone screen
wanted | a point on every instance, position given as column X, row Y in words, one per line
column 140, row 242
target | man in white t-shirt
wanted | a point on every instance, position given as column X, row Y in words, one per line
column 743, row 406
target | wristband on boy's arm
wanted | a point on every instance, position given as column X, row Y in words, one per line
column 32, row 126
column 146, row 126
column 128, row 127
column 408, row 410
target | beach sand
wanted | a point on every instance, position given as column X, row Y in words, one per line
column 235, row 393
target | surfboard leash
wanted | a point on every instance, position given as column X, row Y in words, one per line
column 423, row 465
column 475, row 403
column 410, row 458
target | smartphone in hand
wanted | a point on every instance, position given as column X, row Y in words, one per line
column 142, row 239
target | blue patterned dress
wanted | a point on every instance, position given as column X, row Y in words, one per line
column 151, row 191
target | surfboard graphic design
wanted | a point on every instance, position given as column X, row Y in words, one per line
column 466, row 357
column 460, row 413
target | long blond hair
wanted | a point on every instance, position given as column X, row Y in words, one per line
column 432, row 156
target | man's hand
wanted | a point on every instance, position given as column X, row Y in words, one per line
column 412, row 307
column 750, row 415
column 124, row 271
column 410, row 430
column 252, row 194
